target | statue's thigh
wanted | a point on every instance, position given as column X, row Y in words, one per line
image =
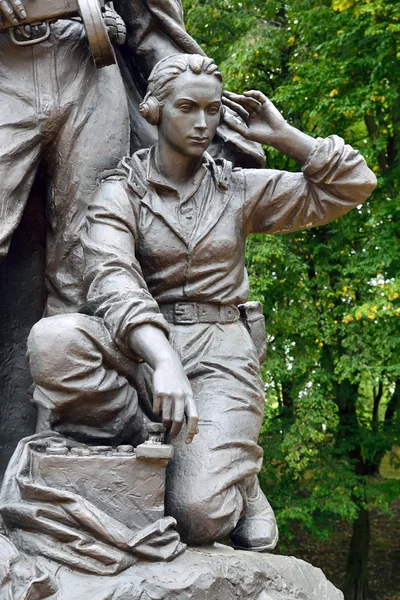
column 93, row 139
column 223, row 370
column 222, row 365
column 20, row 139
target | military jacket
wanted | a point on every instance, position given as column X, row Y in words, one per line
column 139, row 255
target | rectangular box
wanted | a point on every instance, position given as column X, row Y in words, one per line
column 126, row 487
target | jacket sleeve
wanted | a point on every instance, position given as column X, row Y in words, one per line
column 334, row 180
column 116, row 289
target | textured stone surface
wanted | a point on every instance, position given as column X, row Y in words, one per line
column 217, row 573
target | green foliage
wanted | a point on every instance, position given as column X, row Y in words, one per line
column 331, row 294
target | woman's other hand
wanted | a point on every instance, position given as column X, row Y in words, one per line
column 172, row 393
column 260, row 120
column 173, row 398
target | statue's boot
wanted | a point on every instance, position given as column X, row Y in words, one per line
column 256, row 529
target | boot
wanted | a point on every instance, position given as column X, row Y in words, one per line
column 256, row 529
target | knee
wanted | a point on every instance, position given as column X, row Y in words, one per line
column 51, row 341
column 205, row 519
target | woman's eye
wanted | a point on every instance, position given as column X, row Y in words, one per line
column 185, row 108
column 213, row 111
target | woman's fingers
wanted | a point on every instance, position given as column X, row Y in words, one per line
column 18, row 8
column 192, row 418
column 13, row 10
column 8, row 12
column 157, row 404
column 256, row 95
column 163, row 404
column 236, row 108
column 179, row 415
column 173, row 409
column 167, row 410
column 236, row 124
column 250, row 103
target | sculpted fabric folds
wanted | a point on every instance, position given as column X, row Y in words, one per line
column 38, row 516
column 138, row 256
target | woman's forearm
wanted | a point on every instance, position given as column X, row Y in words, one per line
column 150, row 343
column 294, row 143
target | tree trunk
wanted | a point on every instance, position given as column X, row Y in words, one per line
column 287, row 400
column 377, row 394
column 356, row 580
column 393, row 405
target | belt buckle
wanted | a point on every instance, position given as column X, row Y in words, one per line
column 185, row 313
column 30, row 34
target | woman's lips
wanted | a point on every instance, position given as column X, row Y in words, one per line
column 199, row 140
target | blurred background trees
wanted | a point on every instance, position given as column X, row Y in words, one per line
column 331, row 295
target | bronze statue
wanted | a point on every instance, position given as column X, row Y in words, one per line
column 66, row 121
column 63, row 122
column 164, row 332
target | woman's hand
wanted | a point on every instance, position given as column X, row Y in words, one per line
column 172, row 394
column 173, row 398
column 262, row 122
column 13, row 11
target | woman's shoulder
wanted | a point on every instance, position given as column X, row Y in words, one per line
column 225, row 173
column 130, row 172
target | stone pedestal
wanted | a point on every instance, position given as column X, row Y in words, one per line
column 209, row 573
column 70, row 509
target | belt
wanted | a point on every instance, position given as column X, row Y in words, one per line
column 189, row 313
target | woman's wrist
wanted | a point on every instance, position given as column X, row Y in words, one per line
column 150, row 343
column 293, row 143
column 167, row 358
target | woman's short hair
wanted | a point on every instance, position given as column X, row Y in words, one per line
column 166, row 71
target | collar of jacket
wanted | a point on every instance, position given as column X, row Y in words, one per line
column 135, row 169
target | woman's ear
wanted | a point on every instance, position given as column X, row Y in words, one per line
column 150, row 110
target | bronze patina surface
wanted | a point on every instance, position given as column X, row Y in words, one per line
column 148, row 326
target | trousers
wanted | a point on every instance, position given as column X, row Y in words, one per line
column 67, row 121
column 94, row 392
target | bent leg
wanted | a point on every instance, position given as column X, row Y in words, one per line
column 208, row 479
column 72, row 362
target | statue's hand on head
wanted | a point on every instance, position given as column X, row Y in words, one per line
column 12, row 10
column 260, row 120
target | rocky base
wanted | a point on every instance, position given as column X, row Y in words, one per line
column 212, row 573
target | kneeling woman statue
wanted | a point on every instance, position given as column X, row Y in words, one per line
column 165, row 269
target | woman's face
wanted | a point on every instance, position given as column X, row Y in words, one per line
column 191, row 113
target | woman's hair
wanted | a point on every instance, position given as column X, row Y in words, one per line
column 167, row 70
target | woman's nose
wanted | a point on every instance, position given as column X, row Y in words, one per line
column 201, row 122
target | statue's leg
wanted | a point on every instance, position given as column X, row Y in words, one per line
column 93, row 137
column 20, row 136
column 73, row 364
column 209, row 480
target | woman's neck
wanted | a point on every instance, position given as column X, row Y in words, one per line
column 176, row 166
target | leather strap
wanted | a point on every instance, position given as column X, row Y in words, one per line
column 189, row 313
